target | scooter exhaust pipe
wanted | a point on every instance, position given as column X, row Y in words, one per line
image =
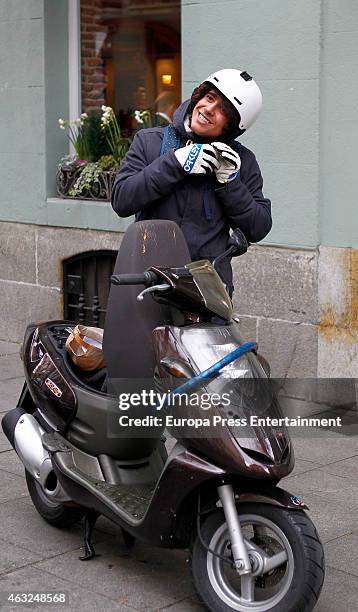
column 25, row 436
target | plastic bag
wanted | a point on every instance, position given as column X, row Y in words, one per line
column 84, row 345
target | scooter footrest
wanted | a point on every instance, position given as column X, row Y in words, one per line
column 133, row 500
column 54, row 443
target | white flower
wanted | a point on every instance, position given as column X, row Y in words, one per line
column 84, row 116
column 138, row 116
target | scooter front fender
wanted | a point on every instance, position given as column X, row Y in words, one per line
column 274, row 496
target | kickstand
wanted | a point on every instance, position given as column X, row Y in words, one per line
column 90, row 521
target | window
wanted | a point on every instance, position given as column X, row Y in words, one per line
column 130, row 57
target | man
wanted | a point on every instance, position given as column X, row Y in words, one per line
column 164, row 106
column 205, row 181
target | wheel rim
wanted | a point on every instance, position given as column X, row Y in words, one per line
column 243, row 593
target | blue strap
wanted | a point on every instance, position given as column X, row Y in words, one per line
column 171, row 139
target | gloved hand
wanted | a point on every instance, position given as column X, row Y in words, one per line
column 230, row 162
column 198, row 158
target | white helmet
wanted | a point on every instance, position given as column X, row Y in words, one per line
column 241, row 90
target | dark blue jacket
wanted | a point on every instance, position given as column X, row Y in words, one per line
column 156, row 187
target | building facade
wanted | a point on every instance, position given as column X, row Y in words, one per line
column 296, row 292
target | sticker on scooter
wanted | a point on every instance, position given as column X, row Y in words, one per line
column 53, row 388
column 297, row 501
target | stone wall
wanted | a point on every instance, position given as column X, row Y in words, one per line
column 31, row 271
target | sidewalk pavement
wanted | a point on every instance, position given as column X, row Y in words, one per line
column 36, row 557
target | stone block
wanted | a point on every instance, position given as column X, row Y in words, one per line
column 26, row 303
column 338, row 301
column 291, row 349
column 277, row 283
column 23, row 41
column 17, row 252
column 248, row 327
column 338, row 356
column 56, row 244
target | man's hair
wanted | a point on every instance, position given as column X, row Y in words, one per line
column 230, row 111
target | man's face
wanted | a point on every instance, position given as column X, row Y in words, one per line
column 208, row 118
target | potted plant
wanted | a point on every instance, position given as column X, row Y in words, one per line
column 99, row 151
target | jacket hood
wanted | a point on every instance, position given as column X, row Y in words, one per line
column 178, row 121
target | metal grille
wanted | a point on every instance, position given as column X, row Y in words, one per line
column 86, row 286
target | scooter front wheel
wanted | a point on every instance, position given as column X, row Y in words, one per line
column 286, row 556
column 55, row 513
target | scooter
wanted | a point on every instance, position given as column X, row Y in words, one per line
column 252, row 546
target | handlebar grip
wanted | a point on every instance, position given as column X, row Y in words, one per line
column 142, row 278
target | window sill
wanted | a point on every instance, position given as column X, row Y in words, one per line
column 85, row 214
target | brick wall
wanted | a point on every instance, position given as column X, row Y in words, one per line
column 93, row 78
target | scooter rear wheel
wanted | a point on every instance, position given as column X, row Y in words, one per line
column 293, row 586
column 54, row 513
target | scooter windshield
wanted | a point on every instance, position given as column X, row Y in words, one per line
column 243, row 385
column 211, row 288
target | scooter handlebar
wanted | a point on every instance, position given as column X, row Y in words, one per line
column 144, row 278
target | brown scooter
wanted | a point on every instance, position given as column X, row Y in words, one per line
column 89, row 449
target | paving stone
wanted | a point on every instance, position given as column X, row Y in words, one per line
column 12, row 487
column 301, row 467
column 13, row 557
column 326, row 486
column 342, row 554
column 10, row 390
column 4, row 443
column 346, row 467
column 145, row 578
column 80, row 600
column 10, row 462
column 327, row 450
column 9, row 348
column 25, row 528
column 11, row 367
column 339, row 593
column 190, row 604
